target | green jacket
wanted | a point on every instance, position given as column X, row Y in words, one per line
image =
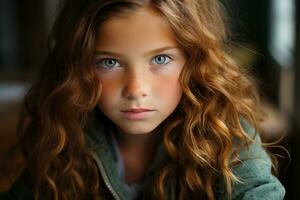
column 255, row 172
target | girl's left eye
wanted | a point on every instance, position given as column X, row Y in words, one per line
column 161, row 60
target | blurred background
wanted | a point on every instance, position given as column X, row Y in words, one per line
column 266, row 39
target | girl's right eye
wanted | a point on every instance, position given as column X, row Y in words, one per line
column 108, row 63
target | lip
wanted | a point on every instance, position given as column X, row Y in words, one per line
column 137, row 110
column 137, row 113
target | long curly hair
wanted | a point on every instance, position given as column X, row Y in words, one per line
column 198, row 137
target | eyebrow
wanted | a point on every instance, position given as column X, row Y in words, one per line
column 155, row 51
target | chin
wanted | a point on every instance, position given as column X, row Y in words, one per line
column 138, row 130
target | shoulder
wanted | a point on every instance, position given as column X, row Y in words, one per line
column 20, row 190
column 254, row 172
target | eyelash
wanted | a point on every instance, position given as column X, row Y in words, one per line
column 100, row 63
column 167, row 57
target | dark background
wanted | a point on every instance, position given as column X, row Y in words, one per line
column 24, row 28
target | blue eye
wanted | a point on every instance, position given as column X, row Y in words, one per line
column 108, row 63
column 161, row 60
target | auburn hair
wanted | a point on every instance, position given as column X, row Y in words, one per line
column 198, row 137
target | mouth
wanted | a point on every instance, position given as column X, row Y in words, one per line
column 137, row 110
column 137, row 113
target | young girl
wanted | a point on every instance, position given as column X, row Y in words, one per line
column 139, row 99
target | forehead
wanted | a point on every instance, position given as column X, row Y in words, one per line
column 143, row 28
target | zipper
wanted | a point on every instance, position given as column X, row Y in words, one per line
column 105, row 177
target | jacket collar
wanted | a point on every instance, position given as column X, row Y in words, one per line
column 105, row 160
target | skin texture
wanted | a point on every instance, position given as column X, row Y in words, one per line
column 136, row 80
column 138, row 77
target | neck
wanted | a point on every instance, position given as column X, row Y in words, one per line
column 138, row 141
column 138, row 152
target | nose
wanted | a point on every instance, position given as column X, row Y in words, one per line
column 136, row 85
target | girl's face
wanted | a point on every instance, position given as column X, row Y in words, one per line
column 138, row 63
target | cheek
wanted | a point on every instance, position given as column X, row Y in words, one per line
column 108, row 93
column 169, row 88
